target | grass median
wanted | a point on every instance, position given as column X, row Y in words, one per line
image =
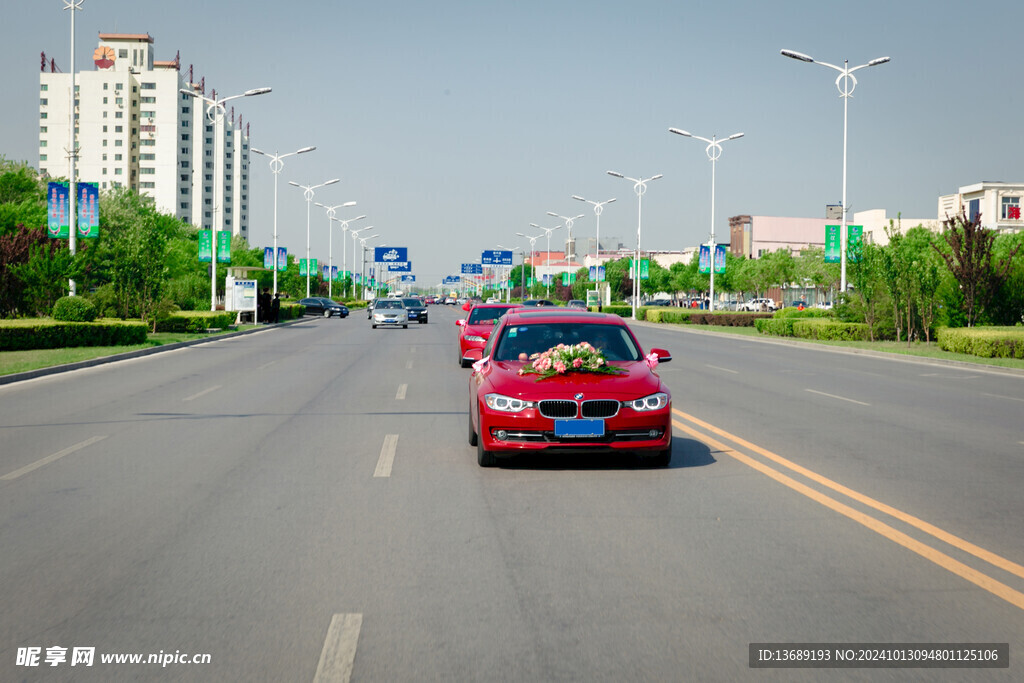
column 919, row 349
column 24, row 361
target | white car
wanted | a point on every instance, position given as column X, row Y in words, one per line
column 390, row 312
column 758, row 305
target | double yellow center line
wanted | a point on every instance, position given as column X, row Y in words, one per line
column 926, row 551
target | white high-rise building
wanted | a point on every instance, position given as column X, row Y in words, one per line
column 136, row 130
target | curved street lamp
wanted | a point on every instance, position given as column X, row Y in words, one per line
column 547, row 231
column 276, row 165
column 598, row 210
column 331, row 210
column 640, row 187
column 344, row 244
column 307, row 192
column 215, row 113
column 714, row 151
column 846, row 82
column 533, row 263
column 568, row 225
column 362, row 261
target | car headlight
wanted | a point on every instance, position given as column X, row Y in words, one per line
column 506, row 404
column 652, row 402
column 474, row 338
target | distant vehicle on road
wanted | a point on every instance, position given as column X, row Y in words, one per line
column 538, row 302
column 321, row 305
column 577, row 303
column 390, row 312
column 417, row 310
column 758, row 305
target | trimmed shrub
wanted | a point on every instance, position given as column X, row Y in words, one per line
column 195, row 321
column 779, row 327
column 829, row 330
column 51, row 334
column 74, row 309
column 985, row 342
column 791, row 312
column 290, row 312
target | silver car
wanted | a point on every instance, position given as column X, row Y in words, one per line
column 390, row 312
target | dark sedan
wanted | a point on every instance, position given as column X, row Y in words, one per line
column 321, row 305
column 417, row 310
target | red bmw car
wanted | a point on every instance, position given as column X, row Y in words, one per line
column 476, row 328
column 525, row 395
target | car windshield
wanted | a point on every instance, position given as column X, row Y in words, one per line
column 614, row 341
column 388, row 304
column 412, row 303
column 481, row 316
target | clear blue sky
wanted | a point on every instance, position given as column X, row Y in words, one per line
column 457, row 124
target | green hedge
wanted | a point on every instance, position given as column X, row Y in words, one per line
column 830, row 330
column 698, row 317
column 45, row 333
column 195, row 321
column 290, row 312
column 74, row 309
column 791, row 312
column 986, row 342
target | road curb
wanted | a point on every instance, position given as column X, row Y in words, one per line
column 963, row 365
column 128, row 355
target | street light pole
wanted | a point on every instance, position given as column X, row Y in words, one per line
column 568, row 225
column 344, row 245
column 354, row 233
column 533, row 263
column 547, row 231
column 362, row 261
column 74, row 6
column 330, row 243
column 714, row 151
column 598, row 209
column 307, row 192
column 846, row 82
column 215, row 114
column 640, row 187
column 275, row 167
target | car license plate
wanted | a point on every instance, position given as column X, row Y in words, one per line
column 579, row 428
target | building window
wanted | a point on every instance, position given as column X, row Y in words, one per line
column 1010, row 208
column 42, row 129
column 104, row 156
column 184, row 190
column 119, row 86
column 118, row 157
column 104, row 143
column 42, row 143
column 147, row 157
column 104, row 114
column 184, row 178
column 184, row 137
column 118, row 129
column 118, row 114
column 42, row 157
column 123, row 54
column 147, row 114
column 184, row 164
column 43, row 101
column 184, row 205
column 44, row 115
column 147, row 186
column 185, row 110
column 117, row 171
column 973, row 209
column 148, row 100
column 44, row 87
column 149, row 86
column 118, row 143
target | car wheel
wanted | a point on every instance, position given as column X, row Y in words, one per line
column 327, row 314
column 484, row 458
column 373, row 326
column 463, row 363
column 472, row 433
column 405, row 327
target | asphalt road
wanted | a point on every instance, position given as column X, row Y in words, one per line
column 301, row 504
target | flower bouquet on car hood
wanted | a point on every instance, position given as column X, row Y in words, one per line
column 563, row 359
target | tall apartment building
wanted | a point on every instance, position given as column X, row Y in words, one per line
column 136, row 130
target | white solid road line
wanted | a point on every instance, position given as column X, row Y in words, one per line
column 387, row 456
column 339, row 653
column 715, row 367
column 50, row 458
column 408, row 366
column 838, row 398
column 402, row 388
column 204, row 392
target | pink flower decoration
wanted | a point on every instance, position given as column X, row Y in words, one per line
column 560, row 367
column 577, row 362
column 652, row 360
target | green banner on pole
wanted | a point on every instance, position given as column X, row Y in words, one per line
column 223, row 246
column 88, row 210
column 719, row 259
column 58, row 207
column 205, row 246
column 831, row 244
column 854, row 242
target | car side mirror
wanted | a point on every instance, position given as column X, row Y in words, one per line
column 663, row 355
column 473, row 354
column 460, row 323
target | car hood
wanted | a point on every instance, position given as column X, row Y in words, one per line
column 638, row 380
column 479, row 330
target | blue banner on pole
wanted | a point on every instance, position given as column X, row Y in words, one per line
column 88, row 210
